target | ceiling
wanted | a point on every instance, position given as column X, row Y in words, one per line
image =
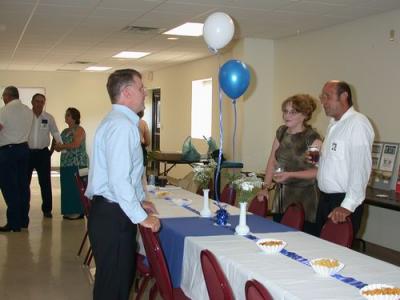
column 56, row 35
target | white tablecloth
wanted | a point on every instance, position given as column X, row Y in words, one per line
column 284, row 277
column 168, row 209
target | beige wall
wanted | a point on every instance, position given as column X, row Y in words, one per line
column 256, row 106
column 358, row 52
column 176, row 97
column 85, row 91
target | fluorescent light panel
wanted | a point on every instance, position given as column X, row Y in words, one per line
column 187, row 29
column 98, row 68
column 131, row 54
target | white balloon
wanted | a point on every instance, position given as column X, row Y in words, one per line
column 218, row 30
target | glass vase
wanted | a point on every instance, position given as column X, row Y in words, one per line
column 205, row 212
column 242, row 228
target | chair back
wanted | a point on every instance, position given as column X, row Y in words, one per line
column 256, row 291
column 294, row 216
column 217, row 285
column 341, row 233
column 158, row 265
column 258, row 207
column 228, row 195
column 84, row 200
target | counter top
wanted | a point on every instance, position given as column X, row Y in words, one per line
column 383, row 198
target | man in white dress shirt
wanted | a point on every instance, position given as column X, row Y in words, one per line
column 115, row 187
column 345, row 163
column 15, row 125
column 39, row 154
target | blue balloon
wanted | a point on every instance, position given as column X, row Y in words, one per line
column 234, row 78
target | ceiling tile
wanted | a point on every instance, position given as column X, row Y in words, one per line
column 63, row 31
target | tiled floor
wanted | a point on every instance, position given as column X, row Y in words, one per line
column 41, row 262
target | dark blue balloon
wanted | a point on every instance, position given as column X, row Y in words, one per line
column 234, row 78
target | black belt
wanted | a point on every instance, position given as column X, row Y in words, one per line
column 14, row 145
column 101, row 199
column 38, row 150
column 333, row 194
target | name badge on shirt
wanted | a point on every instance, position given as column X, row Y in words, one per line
column 336, row 149
column 44, row 124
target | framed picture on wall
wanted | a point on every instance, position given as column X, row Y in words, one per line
column 388, row 157
column 376, row 155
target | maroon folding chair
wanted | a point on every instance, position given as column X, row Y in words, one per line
column 258, row 207
column 228, row 195
column 341, row 233
column 256, row 291
column 294, row 216
column 144, row 275
column 86, row 209
column 217, row 285
column 158, row 267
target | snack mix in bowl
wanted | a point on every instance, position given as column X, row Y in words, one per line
column 271, row 246
column 326, row 266
column 380, row 292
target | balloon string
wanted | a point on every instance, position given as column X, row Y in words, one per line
column 221, row 140
column 234, row 129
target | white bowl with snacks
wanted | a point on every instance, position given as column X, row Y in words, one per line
column 380, row 291
column 271, row 246
column 326, row 266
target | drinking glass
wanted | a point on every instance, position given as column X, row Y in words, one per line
column 313, row 153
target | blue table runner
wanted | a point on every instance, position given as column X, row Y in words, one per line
column 174, row 231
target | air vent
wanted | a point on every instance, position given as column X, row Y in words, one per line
column 142, row 29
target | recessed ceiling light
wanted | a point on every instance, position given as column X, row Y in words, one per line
column 187, row 29
column 172, row 38
column 98, row 68
column 131, row 54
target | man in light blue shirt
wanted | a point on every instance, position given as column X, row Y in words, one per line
column 115, row 187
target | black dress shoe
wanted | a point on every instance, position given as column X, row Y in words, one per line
column 7, row 228
column 47, row 215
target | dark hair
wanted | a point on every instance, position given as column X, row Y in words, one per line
column 118, row 80
column 12, row 91
column 140, row 114
column 302, row 103
column 39, row 94
column 342, row 87
column 75, row 114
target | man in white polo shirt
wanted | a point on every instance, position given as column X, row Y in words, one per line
column 39, row 154
column 345, row 163
column 15, row 125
